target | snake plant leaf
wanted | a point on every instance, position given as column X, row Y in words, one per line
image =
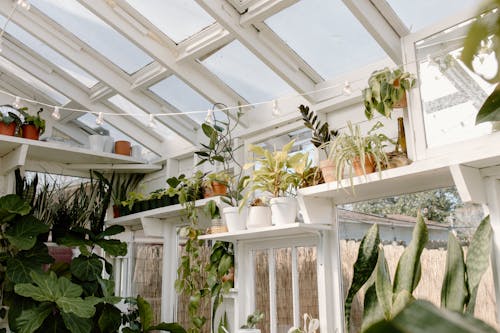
column 478, row 259
column 409, row 270
column 363, row 267
column 12, row 205
column 86, row 268
column 454, row 291
column 490, row 110
column 23, row 234
column 383, row 285
column 30, row 320
column 76, row 324
column 401, row 301
column 372, row 311
column 424, row 317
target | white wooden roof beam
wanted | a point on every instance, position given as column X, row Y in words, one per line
column 278, row 58
column 263, row 9
column 204, row 42
column 376, row 24
column 101, row 91
column 35, row 23
column 193, row 73
column 390, row 15
column 148, row 75
column 80, row 96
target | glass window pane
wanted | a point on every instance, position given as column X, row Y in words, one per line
column 178, row 19
column 95, row 32
column 174, row 91
column 33, row 81
column 326, row 35
column 450, row 93
column 419, row 14
column 246, row 74
column 49, row 54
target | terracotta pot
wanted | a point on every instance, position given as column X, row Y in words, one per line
column 123, row 148
column 369, row 165
column 216, row 189
column 328, row 170
column 7, row 129
column 402, row 103
column 30, row 132
column 116, row 211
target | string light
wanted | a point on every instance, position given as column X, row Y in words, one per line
column 276, row 109
column 56, row 115
column 100, row 119
column 347, row 90
column 24, row 4
column 17, row 102
column 151, row 123
column 209, row 119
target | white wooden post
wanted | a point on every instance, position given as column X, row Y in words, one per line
column 169, row 273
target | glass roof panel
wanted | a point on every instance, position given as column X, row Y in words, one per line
column 49, row 54
column 174, row 91
column 246, row 74
column 419, row 14
column 327, row 36
column 142, row 116
column 178, row 19
column 87, row 26
column 33, row 81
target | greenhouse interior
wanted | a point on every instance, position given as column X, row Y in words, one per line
column 249, row 166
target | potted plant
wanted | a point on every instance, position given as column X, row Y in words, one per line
column 321, row 137
column 9, row 121
column 357, row 153
column 386, row 91
column 213, row 212
column 251, row 324
column 311, row 325
column 259, row 214
column 215, row 184
column 33, row 125
column 275, row 175
column 121, row 184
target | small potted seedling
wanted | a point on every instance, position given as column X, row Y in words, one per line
column 32, row 126
column 252, row 321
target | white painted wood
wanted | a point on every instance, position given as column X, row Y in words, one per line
column 315, row 210
column 206, row 41
column 153, row 227
column 169, row 274
column 263, row 9
column 13, row 158
column 469, row 183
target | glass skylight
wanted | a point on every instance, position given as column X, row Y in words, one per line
column 178, row 19
column 142, row 116
column 327, row 36
column 33, row 81
column 419, row 14
column 174, row 91
column 95, row 32
column 246, row 74
column 48, row 53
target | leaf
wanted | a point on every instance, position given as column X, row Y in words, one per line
column 111, row 231
column 145, row 313
column 208, row 130
column 400, row 302
column 372, row 312
column 86, row 269
column 30, row 320
column 170, row 327
column 490, row 110
column 19, row 269
column 80, row 307
column 113, row 247
column 12, row 205
column 408, row 270
column 363, row 267
column 478, row 31
column 110, row 319
column 23, row 234
column 454, row 290
column 225, row 263
column 76, row 324
column 477, row 261
column 383, row 285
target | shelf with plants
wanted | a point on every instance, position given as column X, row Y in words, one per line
column 15, row 151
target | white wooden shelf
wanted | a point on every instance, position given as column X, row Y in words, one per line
column 286, row 230
column 15, row 152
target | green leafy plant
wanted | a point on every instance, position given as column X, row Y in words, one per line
column 322, row 135
column 482, row 38
column 35, row 120
column 253, row 319
column 212, row 210
column 122, row 184
column 311, row 325
column 385, row 88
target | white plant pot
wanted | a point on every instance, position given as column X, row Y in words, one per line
column 249, row 330
column 259, row 216
column 284, row 210
column 235, row 220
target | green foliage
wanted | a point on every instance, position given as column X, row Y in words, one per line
column 123, row 183
column 9, row 117
column 385, row 88
column 212, row 210
column 321, row 132
column 253, row 319
column 35, row 120
column 11, row 206
column 454, row 292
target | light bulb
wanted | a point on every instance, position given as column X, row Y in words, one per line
column 17, row 102
column 56, row 115
column 347, row 90
column 209, row 119
column 24, row 4
column 151, row 123
column 276, row 109
column 100, row 119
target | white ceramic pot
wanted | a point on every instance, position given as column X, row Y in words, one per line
column 248, row 330
column 235, row 220
column 259, row 216
column 284, row 210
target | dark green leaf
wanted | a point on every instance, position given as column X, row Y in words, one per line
column 111, row 231
column 170, row 327
column 30, row 320
column 454, row 290
column 490, row 110
column 23, row 234
column 145, row 313
column 12, row 205
column 110, row 319
column 76, row 324
column 208, row 130
column 86, row 269
column 113, row 247
column 19, row 270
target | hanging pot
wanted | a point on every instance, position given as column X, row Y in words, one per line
column 122, row 147
column 30, row 131
column 328, row 170
column 235, row 220
column 283, row 210
column 369, row 165
column 7, row 129
column 259, row 216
